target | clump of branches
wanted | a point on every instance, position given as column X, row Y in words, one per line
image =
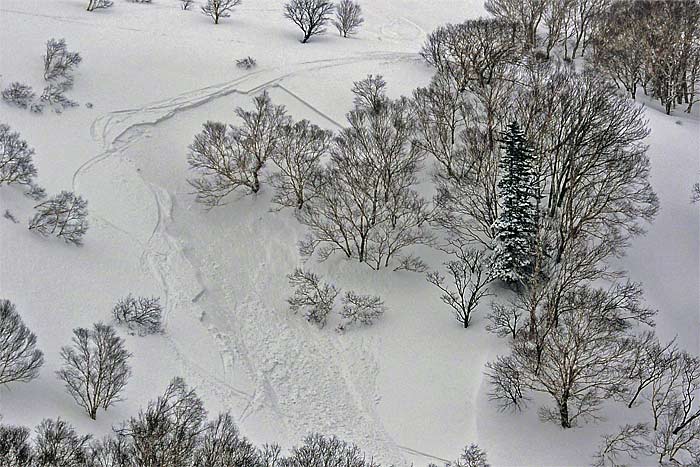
column 312, row 295
column 246, row 63
column 20, row 360
column 54, row 96
column 95, row 369
column 18, row 94
column 63, row 215
column 98, row 4
column 348, row 17
column 16, row 163
column 59, row 62
column 311, row 16
column 228, row 157
column 469, row 279
column 143, row 314
column 365, row 309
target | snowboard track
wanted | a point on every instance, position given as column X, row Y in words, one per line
column 165, row 258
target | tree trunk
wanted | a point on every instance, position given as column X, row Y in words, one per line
column 564, row 412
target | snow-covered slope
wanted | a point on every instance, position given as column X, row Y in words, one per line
column 409, row 389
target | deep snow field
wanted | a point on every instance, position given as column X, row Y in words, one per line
column 408, row 390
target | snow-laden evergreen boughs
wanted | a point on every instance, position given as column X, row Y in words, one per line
column 63, row 215
column 95, row 369
column 314, row 297
column 517, row 223
column 20, row 360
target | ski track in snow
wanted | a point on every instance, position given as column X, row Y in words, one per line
column 305, row 377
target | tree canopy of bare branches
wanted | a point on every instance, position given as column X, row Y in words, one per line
column 20, row 360
column 311, row 16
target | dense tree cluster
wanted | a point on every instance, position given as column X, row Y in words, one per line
column 652, row 44
column 172, row 430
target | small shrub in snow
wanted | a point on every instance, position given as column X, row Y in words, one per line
column 18, row 94
column 15, row 450
column 54, row 95
column 20, row 360
column 246, row 63
column 312, row 295
column 143, row 314
column 97, row 4
column 16, row 164
column 361, row 308
column 95, row 368
column 186, row 4
column 63, row 215
column 10, row 217
column 348, row 17
column 217, row 9
column 311, row 16
column 59, row 63
column 58, row 445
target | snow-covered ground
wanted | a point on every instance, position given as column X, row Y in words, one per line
column 409, row 389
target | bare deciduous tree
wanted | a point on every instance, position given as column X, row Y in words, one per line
column 582, row 357
column 15, row 447
column 63, row 215
column 312, row 295
column 16, row 163
column 222, row 445
column 365, row 309
column 367, row 207
column 318, row 451
column 59, row 63
column 20, row 360
column 168, row 431
column 348, row 17
column 311, row 16
column 95, row 369
column 469, row 277
column 629, row 442
column 143, row 314
column 58, row 445
column 298, row 155
column 217, row 9
column 229, row 157
column 529, row 14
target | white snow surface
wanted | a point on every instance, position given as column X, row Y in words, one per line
column 408, row 390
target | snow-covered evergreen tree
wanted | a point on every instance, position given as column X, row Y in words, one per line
column 517, row 223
